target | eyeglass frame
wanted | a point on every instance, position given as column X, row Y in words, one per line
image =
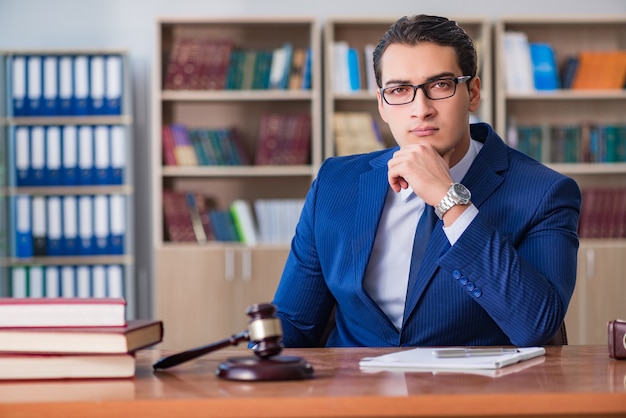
column 457, row 80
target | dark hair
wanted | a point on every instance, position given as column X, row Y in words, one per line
column 423, row 28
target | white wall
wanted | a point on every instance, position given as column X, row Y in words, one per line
column 130, row 25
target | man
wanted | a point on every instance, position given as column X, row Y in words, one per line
column 500, row 265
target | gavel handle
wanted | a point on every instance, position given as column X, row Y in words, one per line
column 184, row 356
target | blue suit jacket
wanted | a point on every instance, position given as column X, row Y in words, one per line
column 507, row 280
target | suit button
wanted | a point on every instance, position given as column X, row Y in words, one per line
column 470, row 286
column 477, row 292
column 463, row 280
column 456, row 274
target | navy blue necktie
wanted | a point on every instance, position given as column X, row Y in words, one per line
column 423, row 232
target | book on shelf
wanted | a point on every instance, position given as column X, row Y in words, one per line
column 600, row 70
column 545, row 70
column 56, row 366
column 62, row 312
column 135, row 335
column 603, row 213
column 356, row 133
column 284, row 139
column 176, row 217
column 243, row 218
column 518, row 63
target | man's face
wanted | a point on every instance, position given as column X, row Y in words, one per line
column 442, row 123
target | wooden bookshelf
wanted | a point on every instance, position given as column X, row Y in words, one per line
column 599, row 292
column 201, row 291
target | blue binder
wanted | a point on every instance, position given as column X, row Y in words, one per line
column 86, row 239
column 102, row 155
column 114, row 85
column 81, row 85
column 85, row 155
column 66, row 85
column 69, row 241
column 69, row 156
column 50, row 80
column 34, row 85
column 18, row 85
column 55, row 226
column 52, row 172
column 37, row 155
column 117, row 209
column 118, row 153
column 96, row 84
column 22, row 227
column 101, row 227
column 21, row 143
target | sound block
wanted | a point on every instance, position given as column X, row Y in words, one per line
column 254, row 368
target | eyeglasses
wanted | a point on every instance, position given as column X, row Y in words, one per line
column 441, row 88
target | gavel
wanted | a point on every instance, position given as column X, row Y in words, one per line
column 265, row 332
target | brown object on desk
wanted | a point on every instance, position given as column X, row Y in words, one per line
column 617, row 339
column 573, row 380
column 265, row 332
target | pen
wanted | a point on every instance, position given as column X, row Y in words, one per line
column 472, row 352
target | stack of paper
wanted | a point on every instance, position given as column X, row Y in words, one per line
column 460, row 359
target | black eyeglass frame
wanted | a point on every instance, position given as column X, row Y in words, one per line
column 457, row 80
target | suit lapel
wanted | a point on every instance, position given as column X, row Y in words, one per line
column 373, row 187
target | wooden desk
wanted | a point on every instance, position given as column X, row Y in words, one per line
column 572, row 380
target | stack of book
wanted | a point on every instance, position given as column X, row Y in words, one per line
column 71, row 338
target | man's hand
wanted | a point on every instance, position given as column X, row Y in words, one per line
column 421, row 167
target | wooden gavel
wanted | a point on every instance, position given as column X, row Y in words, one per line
column 264, row 331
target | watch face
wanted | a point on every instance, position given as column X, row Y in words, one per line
column 462, row 191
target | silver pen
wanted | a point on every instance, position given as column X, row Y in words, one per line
column 472, row 352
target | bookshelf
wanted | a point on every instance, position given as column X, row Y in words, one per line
column 221, row 279
column 598, row 295
column 361, row 32
column 66, row 174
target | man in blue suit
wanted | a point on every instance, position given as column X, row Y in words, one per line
column 500, row 265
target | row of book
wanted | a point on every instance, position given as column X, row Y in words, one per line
column 533, row 66
column 356, row 133
column 585, row 143
column 182, row 146
column 52, row 281
column 65, row 85
column 353, row 70
column 603, row 213
column 71, row 338
column 194, row 217
column 68, row 155
column 68, row 225
column 197, row 63
column 283, row 139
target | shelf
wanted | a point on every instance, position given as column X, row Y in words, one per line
column 238, row 171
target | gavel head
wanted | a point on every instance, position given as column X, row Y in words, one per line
column 265, row 330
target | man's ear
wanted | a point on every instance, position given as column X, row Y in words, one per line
column 474, row 93
column 381, row 106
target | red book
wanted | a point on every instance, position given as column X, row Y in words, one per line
column 135, row 335
column 177, row 218
column 169, row 155
column 62, row 312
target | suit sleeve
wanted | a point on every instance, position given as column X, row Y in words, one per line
column 525, row 281
column 303, row 300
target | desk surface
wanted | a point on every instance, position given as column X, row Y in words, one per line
column 569, row 380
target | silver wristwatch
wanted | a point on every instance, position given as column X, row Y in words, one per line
column 457, row 195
